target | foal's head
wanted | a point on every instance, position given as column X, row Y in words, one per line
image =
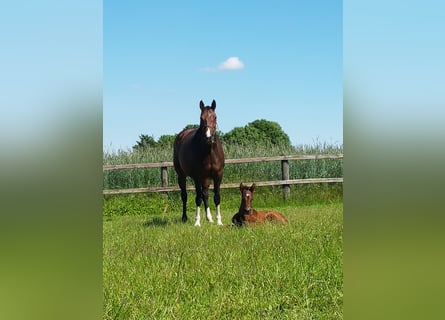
column 208, row 121
column 246, row 197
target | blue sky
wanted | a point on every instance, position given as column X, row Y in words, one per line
column 280, row 61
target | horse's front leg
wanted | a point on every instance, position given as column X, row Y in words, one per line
column 217, row 200
column 205, row 197
column 198, row 201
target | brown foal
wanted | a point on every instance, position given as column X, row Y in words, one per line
column 247, row 215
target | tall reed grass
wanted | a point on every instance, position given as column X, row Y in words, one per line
column 233, row 173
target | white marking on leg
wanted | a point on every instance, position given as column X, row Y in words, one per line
column 209, row 215
column 218, row 215
column 198, row 217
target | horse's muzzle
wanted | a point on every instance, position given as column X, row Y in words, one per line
column 210, row 140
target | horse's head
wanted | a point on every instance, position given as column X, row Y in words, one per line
column 208, row 121
column 246, row 197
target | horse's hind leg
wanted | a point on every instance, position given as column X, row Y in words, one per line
column 183, row 187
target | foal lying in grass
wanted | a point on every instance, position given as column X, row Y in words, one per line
column 247, row 215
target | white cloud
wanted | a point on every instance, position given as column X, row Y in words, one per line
column 232, row 63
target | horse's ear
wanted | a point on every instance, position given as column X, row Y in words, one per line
column 213, row 107
column 252, row 187
column 241, row 187
column 201, row 105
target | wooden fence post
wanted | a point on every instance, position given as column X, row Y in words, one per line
column 164, row 177
column 285, row 176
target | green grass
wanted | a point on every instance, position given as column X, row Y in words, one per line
column 155, row 267
column 170, row 204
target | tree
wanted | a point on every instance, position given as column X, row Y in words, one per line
column 259, row 132
column 271, row 131
column 192, row 126
column 166, row 140
column 145, row 141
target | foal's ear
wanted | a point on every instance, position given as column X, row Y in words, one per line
column 252, row 187
column 201, row 105
column 213, row 107
column 241, row 187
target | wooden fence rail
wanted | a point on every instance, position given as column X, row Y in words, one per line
column 285, row 181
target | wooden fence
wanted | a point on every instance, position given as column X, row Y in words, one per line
column 285, row 181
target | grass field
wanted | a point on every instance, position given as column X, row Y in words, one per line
column 155, row 267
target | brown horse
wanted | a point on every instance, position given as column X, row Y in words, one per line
column 247, row 215
column 198, row 153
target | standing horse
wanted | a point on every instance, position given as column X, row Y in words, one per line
column 247, row 215
column 198, row 153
